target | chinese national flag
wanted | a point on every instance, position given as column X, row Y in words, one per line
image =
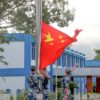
column 53, row 43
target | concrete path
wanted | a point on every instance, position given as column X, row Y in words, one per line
column 84, row 97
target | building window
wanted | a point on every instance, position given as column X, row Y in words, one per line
column 68, row 60
column 81, row 63
column 73, row 60
column 64, row 60
column 59, row 61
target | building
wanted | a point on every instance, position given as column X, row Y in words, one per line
column 67, row 60
column 93, row 79
column 20, row 55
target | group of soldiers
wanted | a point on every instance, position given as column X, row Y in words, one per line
column 38, row 85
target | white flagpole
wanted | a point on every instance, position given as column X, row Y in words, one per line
column 38, row 38
column 38, row 30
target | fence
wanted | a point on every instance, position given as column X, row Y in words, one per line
column 90, row 96
column 4, row 96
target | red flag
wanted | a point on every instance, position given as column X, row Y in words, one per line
column 53, row 43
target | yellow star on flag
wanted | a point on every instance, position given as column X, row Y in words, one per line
column 48, row 37
column 60, row 37
column 62, row 41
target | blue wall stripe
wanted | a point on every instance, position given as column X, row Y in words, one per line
column 28, row 57
column 13, row 72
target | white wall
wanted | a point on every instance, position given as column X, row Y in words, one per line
column 12, row 83
column 79, row 71
column 14, row 55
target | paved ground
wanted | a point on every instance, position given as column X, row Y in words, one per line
column 84, row 97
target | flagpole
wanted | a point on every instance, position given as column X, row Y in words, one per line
column 38, row 30
column 38, row 36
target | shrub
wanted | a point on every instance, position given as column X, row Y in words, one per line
column 11, row 97
column 52, row 96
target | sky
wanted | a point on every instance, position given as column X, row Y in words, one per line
column 87, row 18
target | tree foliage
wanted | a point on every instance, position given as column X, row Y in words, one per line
column 2, row 41
column 97, row 57
column 1, row 57
column 21, row 14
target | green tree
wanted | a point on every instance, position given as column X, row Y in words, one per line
column 97, row 57
column 2, row 41
column 21, row 14
column 2, row 57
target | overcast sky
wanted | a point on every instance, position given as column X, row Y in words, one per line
column 87, row 17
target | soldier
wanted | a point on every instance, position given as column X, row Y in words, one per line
column 66, row 82
column 33, row 81
column 45, row 84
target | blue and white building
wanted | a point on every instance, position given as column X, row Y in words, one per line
column 20, row 55
column 67, row 60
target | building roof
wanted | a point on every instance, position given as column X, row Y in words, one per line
column 92, row 63
column 70, row 51
column 18, row 37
